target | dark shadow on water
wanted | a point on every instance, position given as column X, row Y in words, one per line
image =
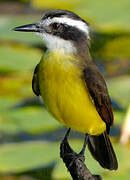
column 52, row 136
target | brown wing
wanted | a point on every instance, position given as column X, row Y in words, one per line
column 98, row 90
column 35, row 81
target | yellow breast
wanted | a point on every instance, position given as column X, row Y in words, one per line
column 65, row 95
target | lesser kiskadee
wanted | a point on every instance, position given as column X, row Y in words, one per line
column 70, row 84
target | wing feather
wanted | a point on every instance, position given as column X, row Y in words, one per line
column 98, row 90
column 35, row 81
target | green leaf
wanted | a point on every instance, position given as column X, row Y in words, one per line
column 107, row 15
column 30, row 119
column 57, row 4
column 114, row 48
column 6, row 103
column 119, row 88
column 20, row 157
column 119, row 117
column 18, row 59
column 16, row 85
column 9, row 22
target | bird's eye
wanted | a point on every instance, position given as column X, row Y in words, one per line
column 56, row 26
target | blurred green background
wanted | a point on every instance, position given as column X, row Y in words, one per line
column 29, row 136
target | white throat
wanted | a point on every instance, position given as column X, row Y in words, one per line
column 54, row 43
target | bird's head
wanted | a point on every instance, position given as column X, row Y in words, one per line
column 60, row 29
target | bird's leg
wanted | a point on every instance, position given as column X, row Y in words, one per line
column 75, row 162
column 84, row 145
column 80, row 155
column 67, row 134
column 66, row 152
column 68, row 155
column 65, row 149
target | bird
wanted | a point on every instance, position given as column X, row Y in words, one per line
column 72, row 88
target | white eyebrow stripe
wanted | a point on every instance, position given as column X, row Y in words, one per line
column 71, row 22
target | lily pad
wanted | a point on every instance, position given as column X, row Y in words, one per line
column 119, row 88
column 107, row 15
column 20, row 157
column 58, row 4
column 16, row 85
column 18, row 59
column 31, row 120
column 9, row 22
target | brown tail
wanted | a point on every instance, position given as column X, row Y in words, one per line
column 102, row 150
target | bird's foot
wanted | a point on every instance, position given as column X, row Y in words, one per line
column 75, row 158
column 69, row 156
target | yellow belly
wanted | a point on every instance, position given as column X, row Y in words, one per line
column 65, row 95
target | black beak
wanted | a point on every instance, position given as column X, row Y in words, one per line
column 28, row 28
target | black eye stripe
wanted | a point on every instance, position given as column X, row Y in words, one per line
column 68, row 32
column 56, row 25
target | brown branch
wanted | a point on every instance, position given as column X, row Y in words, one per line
column 75, row 164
